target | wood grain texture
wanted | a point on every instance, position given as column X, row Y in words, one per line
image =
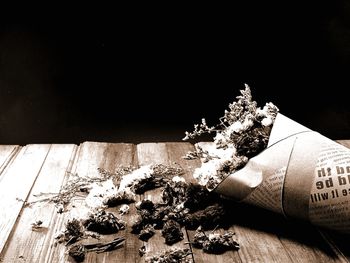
column 90, row 156
column 7, row 154
column 157, row 153
column 26, row 171
column 175, row 152
column 346, row 143
column 268, row 237
column 114, row 156
column 305, row 243
column 15, row 185
column 28, row 245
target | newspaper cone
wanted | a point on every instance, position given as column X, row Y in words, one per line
column 300, row 174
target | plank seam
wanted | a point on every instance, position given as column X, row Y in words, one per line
column 54, row 218
column 332, row 245
column 10, row 158
column 23, row 204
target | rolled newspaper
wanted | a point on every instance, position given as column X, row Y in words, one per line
column 300, row 174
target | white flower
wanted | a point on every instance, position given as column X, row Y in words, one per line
column 266, row 121
column 270, row 109
column 124, row 209
column 99, row 192
column 219, row 137
column 180, row 206
column 206, row 171
column 209, row 170
column 142, row 173
column 247, row 123
column 261, row 112
column 268, row 112
column 213, row 236
column 235, row 127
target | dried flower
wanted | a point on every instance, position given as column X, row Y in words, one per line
column 214, row 243
column 181, row 202
column 37, row 225
column 242, row 133
column 104, row 223
column 80, row 186
column 138, row 225
column 147, row 232
column 191, row 155
column 174, row 192
column 172, row 232
column 220, row 243
column 199, row 238
column 199, row 153
column 149, row 177
column 72, row 233
column 208, row 218
column 145, row 204
column 142, row 251
column 124, row 209
column 77, row 252
column 174, row 255
column 121, row 197
column 198, row 197
column 199, row 129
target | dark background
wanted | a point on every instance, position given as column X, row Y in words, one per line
column 149, row 73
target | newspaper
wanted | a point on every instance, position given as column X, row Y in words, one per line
column 301, row 174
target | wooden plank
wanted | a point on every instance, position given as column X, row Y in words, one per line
column 300, row 240
column 257, row 244
column 15, row 185
column 264, row 236
column 175, row 152
column 346, row 143
column 90, row 156
column 25, row 244
column 305, row 243
column 114, row 156
column 157, row 153
column 7, row 153
column 272, row 238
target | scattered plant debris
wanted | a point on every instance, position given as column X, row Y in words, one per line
column 208, row 218
column 172, row 232
column 72, row 233
column 183, row 204
column 146, row 232
column 101, row 247
column 176, row 255
column 123, row 197
column 142, row 250
column 79, row 251
column 37, row 225
column 214, row 243
column 104, row 223
column 124, row 209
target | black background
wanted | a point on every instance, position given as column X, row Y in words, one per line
column 148, row 73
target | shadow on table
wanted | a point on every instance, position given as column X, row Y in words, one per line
column 302, row 232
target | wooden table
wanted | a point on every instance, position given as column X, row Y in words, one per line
column 26, row 171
